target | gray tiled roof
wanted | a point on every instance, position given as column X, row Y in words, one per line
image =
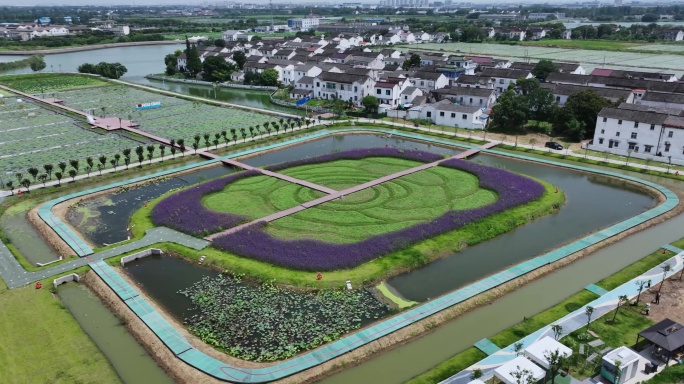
column 676, row 98
column 608, row 93
column 446, row 105
column 648, row 117
column 506, row 73
column 342, row 77
column 667, row 334
column 466, row 91
column 560, row 77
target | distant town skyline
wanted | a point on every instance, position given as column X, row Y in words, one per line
column 326, row 2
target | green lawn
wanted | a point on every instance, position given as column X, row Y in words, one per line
column 342, row 174
column 49, row 82
column 42, row 343
column 259, row 196
column 387, row 207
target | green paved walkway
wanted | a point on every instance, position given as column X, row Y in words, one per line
column 486, row 346
column 596, row 289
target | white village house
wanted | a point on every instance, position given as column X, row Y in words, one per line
column 347, row 87
column 641, row 131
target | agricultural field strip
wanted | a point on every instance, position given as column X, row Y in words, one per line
column 219, row 369
column 181, row 122
column 570, row 322
column 348, row 191
column 634, row 59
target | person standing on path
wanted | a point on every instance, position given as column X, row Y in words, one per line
column 657, row 298
column 648, row 308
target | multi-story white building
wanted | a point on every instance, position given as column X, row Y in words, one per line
column 305, row 24
column 451, row 115
column 347, row 87
column 472, row 97
column 504, row 77
column 641, row 131
column 389, row 92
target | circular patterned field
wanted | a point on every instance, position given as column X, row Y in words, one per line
column 387, row 207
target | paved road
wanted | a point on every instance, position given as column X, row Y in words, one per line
column 16, row 276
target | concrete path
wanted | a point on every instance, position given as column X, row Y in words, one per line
column 332, row 194
column 571, row 322
column 16, row 276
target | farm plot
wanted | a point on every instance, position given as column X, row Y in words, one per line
column 632, row 60
column 177, row 118
column 33, row 136
column 49, row 82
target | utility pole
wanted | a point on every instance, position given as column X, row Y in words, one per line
column 270, row 2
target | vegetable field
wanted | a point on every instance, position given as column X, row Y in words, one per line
column 31, row 136
column 176, row 119
column 48, row 82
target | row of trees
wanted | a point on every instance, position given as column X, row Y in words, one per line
column 109, row 70
column 142, row 153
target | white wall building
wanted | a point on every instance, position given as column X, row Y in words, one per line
column 451, row 115
column 640, row 132
column 347, row 87
column 305, row 24
column 504, row 77
column 429, row 81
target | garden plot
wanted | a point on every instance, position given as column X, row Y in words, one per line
column 33, row 136
column 176, row 119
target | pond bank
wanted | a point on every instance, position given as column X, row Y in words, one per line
column 86, row 48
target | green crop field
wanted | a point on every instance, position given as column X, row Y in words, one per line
column 387, row 207
column 259, row 196
column 342, row 174
column 31, row 135
column 177, row 118
column 42, row 343
column 48, row 82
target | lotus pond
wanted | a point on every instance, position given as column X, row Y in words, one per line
column 251, row 321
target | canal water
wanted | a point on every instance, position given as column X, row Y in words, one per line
column 588, row 196
column 22, row 233
column 130, row 361
column 147, row 60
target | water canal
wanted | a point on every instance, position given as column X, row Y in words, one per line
column 130, row 361
column 603, row 200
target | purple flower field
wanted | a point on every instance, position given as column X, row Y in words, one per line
column 253, row 242
column 184, row 210
column 357, row 154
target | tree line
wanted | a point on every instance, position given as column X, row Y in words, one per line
column 139, row 154
column 108, row 70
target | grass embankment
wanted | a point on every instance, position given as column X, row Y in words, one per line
column 509, row 336
column 388, row 207
column 49, row 82
column 42, row 343
column 414, row 256
column 18, row 64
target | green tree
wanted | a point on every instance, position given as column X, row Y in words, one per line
column 10, row 186
column 48, row 169
column 555, row 359
column 585, row 107
column 240, row 59
column 194, row 64
column 269, row 77
column 37, row 63
column 103, row 162
column 666, row 268
column 62, row 166
column 370, row 103
column 641, row 284
column 90, row 163
column 557, row 331
column 33, row 171
column 171, row 63
column 412, row 62
column 27, row 184
column 621, row 301
column 589, row 310
column 650, row 17
column 75, row 164
column 510, row 113
column 58, row 176
column 162, row 150
column 150, row 152
column 181, row 145
column 220, row 43
column 215, row 68
column 73, row 173
column 43, row 178
column 543, row 69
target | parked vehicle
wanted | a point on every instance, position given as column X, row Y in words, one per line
column 553, row 145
